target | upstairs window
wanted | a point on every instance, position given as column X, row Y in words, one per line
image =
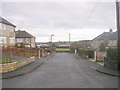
column 4, row 27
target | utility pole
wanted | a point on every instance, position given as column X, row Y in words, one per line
column 69, row 37
column 51, row 36
column 118, row 28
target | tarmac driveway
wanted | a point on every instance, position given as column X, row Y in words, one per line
column 63, row 70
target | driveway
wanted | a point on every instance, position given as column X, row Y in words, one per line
column 63, row 70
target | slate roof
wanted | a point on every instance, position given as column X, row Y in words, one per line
column 107, row 36
column 23, row 34
column 2, row 20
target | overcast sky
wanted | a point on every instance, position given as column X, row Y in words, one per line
column 83, row 20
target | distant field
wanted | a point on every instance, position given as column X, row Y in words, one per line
column 62, row 49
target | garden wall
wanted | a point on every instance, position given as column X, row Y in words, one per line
column 4, row 68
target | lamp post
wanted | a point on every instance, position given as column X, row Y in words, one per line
column 69, row 37
column 51, row 45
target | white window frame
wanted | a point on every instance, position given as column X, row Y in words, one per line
column 3, row 40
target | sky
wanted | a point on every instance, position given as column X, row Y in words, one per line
column 83, row 20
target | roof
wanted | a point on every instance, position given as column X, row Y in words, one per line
column 22, row 34
column 107, row 36
column 2, row 20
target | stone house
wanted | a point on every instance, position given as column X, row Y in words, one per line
column 26, row 38
column 108, row 37
column 7, row 33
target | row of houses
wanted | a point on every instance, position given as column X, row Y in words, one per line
column 9, row 37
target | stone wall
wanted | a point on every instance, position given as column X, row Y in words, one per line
column 4, row 68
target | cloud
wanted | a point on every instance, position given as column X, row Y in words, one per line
column 66, row 15
column 60, row 18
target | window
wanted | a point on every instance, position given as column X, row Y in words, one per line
column 2, row 39
column 27, row 40
column 4, row 27
column 19, row 40
column 12, row 40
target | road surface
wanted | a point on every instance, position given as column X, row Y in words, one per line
column 63, row 70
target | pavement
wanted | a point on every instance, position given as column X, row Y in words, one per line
column 25, row 69
column 99, row 67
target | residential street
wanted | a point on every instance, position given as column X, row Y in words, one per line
column 63, row 70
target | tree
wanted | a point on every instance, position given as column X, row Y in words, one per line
column 103, row 46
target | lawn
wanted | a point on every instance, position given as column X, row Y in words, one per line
column 6, row 60
column 62, row 49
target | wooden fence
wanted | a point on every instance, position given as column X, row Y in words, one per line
column 25, row 52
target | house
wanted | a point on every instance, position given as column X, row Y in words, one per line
column 24, row 37
column 7, row 34
column 101, row 42
column 107, row 37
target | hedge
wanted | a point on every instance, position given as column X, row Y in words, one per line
column 112, row 54
column 85, row 53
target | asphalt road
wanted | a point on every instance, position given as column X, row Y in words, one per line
column 63, row 70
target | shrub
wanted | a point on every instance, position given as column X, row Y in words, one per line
column 22, row 45
column 16, row 46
